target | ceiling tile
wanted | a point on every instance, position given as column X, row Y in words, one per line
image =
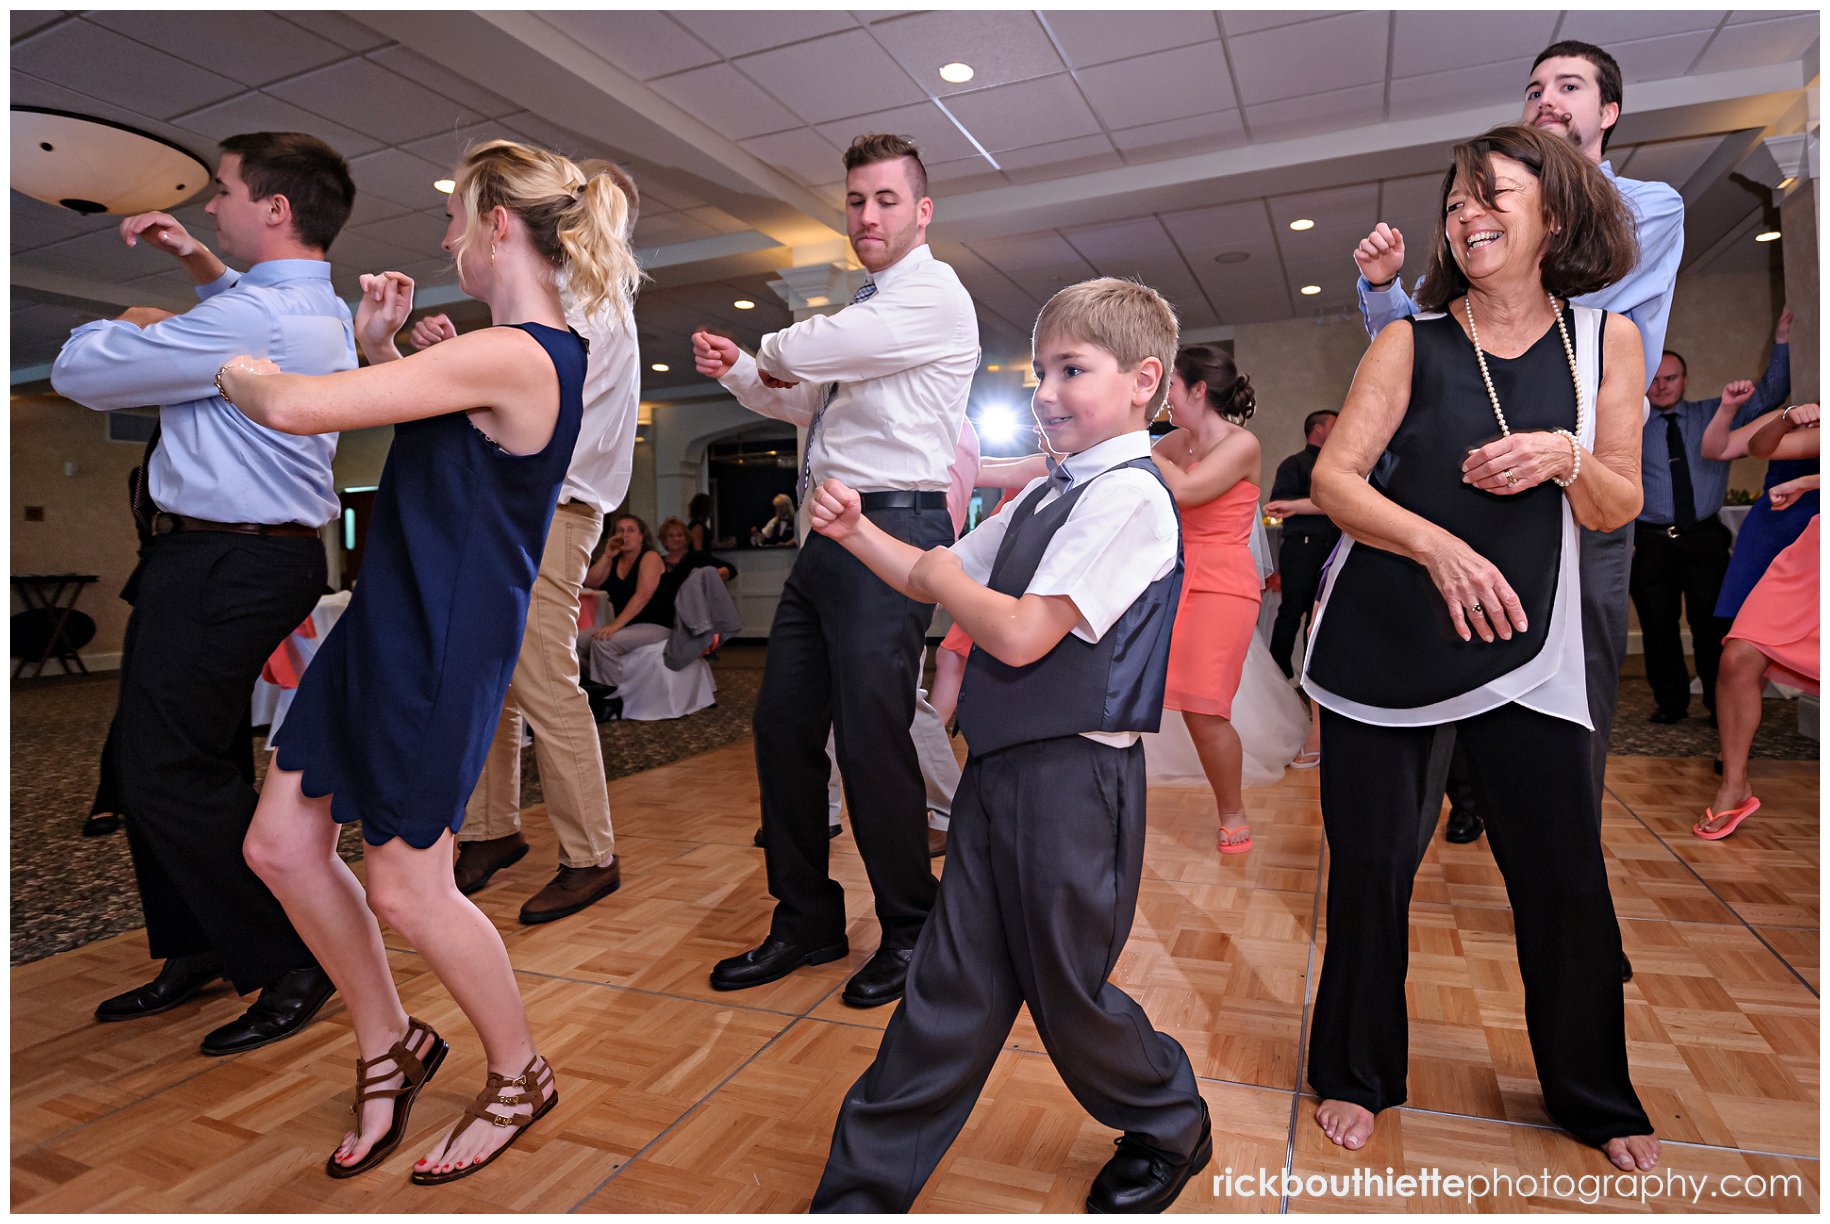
column 1658, row 59
column 643, row 44
column 665, row 229
column 1203, row 233
column 37, row 224
column 262, row 112
column 442, row 81
column 369, row 207
column 725, row 100
column 253, row 48
column 340, row 29
column 1044, row 283
column 1435, row 40
column 1180, row 137
column 549, row 135
column 832, row 77
column 1001, row 47
column 1095, row 36
column 1060, row 158
column 937, row 136
column 1031, row 112
column 801, row 153
column 1352, row 206
column 717, row 220
column 1099, row 244
column 1758, row 44
column 1419, row 193
column 1441, row 92
column 354, row 254
column 1026, row 252
column 740, row 32
column 1673, row 161
column 1249, row 22
column 1316, row 113
column 397, row 175
column 1161, row 86
column 1606, row 28
column 25, row 20
column 1318, row 55
column 419, row 232
column 969, row 174
column 106, row 65
column 1740, row 16
column 446, row 148
column 360, row 94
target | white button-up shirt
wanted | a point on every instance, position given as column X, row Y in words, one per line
column 599, row 474
column 903, row 361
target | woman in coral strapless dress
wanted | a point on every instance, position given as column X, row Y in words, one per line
column 1209, row 462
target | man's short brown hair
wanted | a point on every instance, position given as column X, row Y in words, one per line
column 312, row 176
column 1127, row 319
column 1593, row 240
column 882, row 147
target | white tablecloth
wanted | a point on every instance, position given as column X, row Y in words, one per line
column 271, row 701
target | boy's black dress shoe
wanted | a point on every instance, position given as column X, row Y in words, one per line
column 180, row 979
column 772, row 959
column 1464, row 827
column 881, row 979
column 285, row 1006
column 1142, row 1180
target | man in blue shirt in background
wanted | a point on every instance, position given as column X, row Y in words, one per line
column 234, row 566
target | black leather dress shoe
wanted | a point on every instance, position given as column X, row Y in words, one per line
column 1667, row 717
column 1626, row 969
column 772, row 960
column 181, row 978
column 1464, row 827
column 1142, row 1180
column 832, row 831
column 285, row 1006
column 881, row 979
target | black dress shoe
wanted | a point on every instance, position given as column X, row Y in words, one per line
column 773, row 959
column 832, row 831
column 1667, row 717
column 1141, row 1179
column 181, row 978
column 1626, row 968
column 285, row 1006
column 881, row 979
column 1464, row 827
column 101, row 824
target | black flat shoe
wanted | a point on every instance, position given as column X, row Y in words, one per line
column 1464, row 827
column 101, row 824
column 1666, row 717
column 772, row 960
column 1626, row 969
column 182, row 978
column 1142, row 1180
column 881, row 979
column 285, row 1006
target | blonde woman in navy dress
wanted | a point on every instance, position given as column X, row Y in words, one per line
column 391, row 725
column 1509, row 417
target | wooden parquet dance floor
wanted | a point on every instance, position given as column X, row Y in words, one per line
column 677, row 1098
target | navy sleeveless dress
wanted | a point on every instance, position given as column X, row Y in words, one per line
column 395, row 714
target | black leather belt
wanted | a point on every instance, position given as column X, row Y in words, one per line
column 1671, row 531
column 905, row 499
column 166, row 524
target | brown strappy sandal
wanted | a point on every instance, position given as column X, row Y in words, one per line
column 532, row 1088
column 400, row 1060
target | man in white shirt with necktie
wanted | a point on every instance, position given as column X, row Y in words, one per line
column 881, row 387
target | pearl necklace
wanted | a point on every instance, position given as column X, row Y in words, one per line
column 1569, row 352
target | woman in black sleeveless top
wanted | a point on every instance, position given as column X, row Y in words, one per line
column 630, row 573
column 1504, row 420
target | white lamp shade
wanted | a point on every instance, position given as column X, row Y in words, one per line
column 92, row 166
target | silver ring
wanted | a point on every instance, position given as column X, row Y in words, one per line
column 1474, row 607
column 1510, row 478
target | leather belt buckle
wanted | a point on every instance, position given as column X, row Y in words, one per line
column 1671, row 531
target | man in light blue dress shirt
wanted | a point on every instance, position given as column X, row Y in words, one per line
column 1575, row 88
column 234, row 566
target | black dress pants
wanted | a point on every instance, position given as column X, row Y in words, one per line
column 1543, row 823
column 845, row 656
column 1667, row 572
column 1044, row 857
column 211, row 607
column 1299, row 566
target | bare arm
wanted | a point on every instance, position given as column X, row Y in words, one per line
column 1788, row 434
column 1233, row 460
column 1011, row 472
column 1016, row 631
column 1719, row 441
column 647, row 578
column 1284, row 507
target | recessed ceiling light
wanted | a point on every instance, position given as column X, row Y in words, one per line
column 956, row 73
column 1232, row 257
column 1310, row 290
column 660, row 367
column 744, row 304
column 444, row 186
column 1768, row 236
column 993, row 368
column 1302, row 223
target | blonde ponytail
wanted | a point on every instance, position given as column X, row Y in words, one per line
column 581, row 225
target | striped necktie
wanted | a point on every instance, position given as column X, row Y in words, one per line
column 869, row 290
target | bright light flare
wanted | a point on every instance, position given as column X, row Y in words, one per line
column 998, row 423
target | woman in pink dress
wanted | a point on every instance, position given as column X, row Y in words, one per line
column 1775, row 634
column 1209, row 462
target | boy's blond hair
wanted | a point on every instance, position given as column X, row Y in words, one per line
column 1127, row 319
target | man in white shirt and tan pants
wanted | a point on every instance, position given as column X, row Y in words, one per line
column 881, row 387
column 545, row 690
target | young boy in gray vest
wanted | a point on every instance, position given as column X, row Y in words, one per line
column 1068, row 594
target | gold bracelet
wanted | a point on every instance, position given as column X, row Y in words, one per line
column 220, row 389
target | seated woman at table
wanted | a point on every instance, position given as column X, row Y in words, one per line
column 629, row 574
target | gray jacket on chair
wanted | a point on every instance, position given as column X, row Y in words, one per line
column 705, row 615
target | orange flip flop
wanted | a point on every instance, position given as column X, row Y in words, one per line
column 1226, row 847
column 1735, row 814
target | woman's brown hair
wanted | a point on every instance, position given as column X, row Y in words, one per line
column 1229, row 392
column 1591, row 241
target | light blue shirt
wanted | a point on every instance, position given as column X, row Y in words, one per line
column 1708, row 477
column 212, row 462
column 1643, row 295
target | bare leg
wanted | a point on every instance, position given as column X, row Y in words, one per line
column 292, row 846
column 1217, row 744
column 1740, row 680
column 1347, row 1124
column 949, row 672
column 414, row 892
